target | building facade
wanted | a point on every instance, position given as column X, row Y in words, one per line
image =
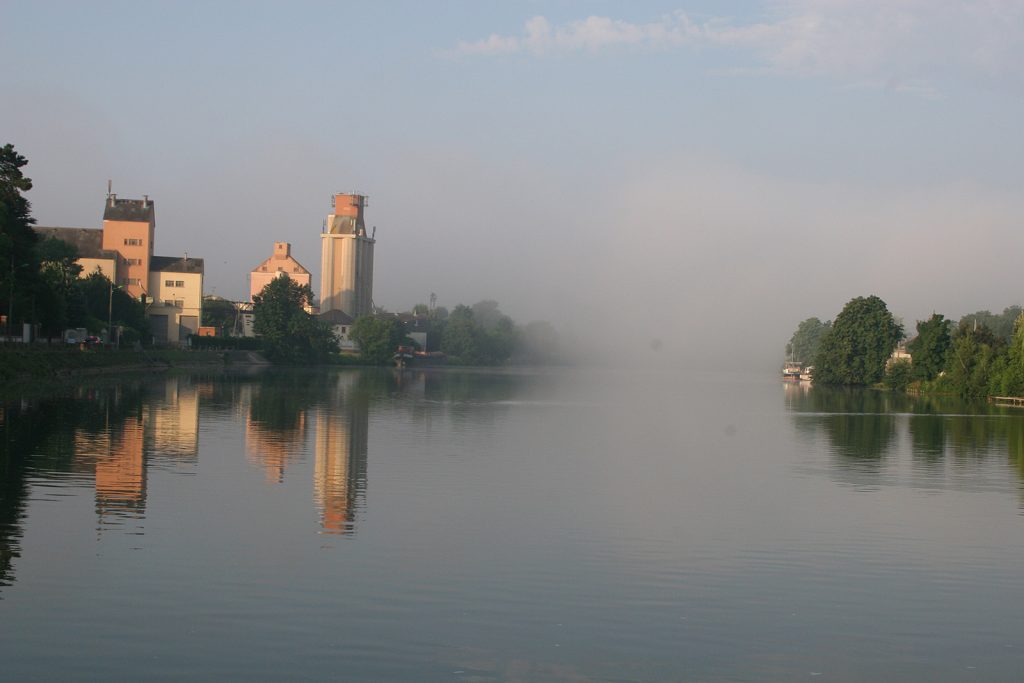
column 346, row 264
column 176, row 293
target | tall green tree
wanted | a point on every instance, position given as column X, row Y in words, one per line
column 1008, row 376
column 461, row 338
column 19, row 263
column 378, row 336
column 103, row 303
column 929, row 348
column 59, row 299
column 290, row 334
column 854, row 351
column 973, row 354
column 803, row 345
column 219, row 313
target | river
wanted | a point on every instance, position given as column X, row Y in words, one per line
column 514, row 525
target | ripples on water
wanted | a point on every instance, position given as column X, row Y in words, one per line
column 509, row 526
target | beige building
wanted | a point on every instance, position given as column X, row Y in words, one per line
column 346, row 262
column 176, row 289
column 280, row 263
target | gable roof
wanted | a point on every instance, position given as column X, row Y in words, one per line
column 285, row 264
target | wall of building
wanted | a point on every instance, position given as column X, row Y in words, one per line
column 134, row 242
column 106, row 266
column 179, row 296
column 346, row 281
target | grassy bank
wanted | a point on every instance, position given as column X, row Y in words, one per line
column 19, row 362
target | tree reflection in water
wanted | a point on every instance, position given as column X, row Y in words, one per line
column 861, row 428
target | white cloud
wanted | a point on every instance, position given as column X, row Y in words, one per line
column 540, row 37
column 902, row 45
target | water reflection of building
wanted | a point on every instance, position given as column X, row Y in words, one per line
column 165, row 426
column 275, row 430
column 172, row 420
column 339, row 477
column 121, row 470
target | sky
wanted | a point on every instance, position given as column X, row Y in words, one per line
column 686, row 180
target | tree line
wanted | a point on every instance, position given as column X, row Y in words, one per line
column 980, row 355
column 469, row 335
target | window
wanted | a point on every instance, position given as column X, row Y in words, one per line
column 179, row 283
column 133, row 261
column 168, row 283
column 132, row 242
column 129, row 281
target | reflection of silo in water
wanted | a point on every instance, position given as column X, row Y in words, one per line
column 339, row 478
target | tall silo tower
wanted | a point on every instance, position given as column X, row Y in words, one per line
column 346, row 264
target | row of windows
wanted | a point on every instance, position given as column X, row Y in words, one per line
column 130, row 281
column 280, row 269
column 177, row 303
column 174, row 283
column 133, row 261
column 132, row 242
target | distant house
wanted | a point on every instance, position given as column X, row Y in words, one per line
column 416, row 327
column 900, row 354
column 281, row 262
column 341, row 324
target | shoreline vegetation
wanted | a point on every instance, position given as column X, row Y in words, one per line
column 981, row 356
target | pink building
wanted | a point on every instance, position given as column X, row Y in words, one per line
column 281, row 263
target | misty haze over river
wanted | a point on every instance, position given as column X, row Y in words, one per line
column 511, row 525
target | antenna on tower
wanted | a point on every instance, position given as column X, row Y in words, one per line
column 109, row 186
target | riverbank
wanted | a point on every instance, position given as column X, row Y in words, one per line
column 20, row 363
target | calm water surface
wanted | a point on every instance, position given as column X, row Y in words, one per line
column 508, row 526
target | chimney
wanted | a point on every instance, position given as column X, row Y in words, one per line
column 145, row 201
